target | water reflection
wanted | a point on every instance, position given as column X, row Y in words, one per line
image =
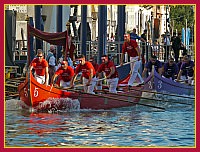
column 131, row 126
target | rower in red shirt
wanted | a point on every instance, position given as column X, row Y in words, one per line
column 88, row 74
column 65, row 74
column 133, row 50
column 40, row 65
column 110, row 71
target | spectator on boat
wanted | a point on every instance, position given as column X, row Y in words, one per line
column 109, row 68
column 186, row 72
column 88, row 74
column 134, row 36
column 40, row 65
column 51, row 59
column 133, row 50
column 170, row 69
column 152, row 62
column 65, row 74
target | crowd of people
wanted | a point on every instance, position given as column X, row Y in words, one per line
column 64, row 72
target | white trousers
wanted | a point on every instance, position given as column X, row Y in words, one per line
column 135, row 65
column 41, row 79
column 90, row 88
column 64, row 84
column 112, row 84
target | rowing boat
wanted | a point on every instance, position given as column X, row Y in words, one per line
column 36, row 95
column 157, row 83
column 41, row 96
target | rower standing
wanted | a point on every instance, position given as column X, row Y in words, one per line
column 65, row 74
column 40, row 65
column 131, row 47
column 88, row 74
column 111, row 73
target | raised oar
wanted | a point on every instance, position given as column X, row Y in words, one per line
column 97, row 95
column 164, row 93
column 128, row 95
column 126, row 63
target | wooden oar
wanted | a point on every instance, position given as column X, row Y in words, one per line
column 101, row 79
column 68, row 88
column 97, row 95
column 128, row 95
column 175, row 95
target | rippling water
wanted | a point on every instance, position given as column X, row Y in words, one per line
column 126, row 127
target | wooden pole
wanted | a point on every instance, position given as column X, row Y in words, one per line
column 97, row 95
column 128, row 95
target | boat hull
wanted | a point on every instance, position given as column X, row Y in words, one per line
column 155, row 82
column 34, row 94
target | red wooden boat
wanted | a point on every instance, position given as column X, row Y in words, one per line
column 40, row 96
column 44, row 97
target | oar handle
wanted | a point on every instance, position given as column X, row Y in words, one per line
column 101, row 79
column 126, row 63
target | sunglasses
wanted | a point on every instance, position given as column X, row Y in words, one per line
column 39, row 56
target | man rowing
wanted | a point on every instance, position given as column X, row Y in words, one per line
column 186, row 72
column 133, row 50
column 65, row 74
column 111, row 73
column 40, row 65
column 170, row 69
column 88, row 74
column 153, row 62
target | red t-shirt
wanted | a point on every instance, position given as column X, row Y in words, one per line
column 65, row 74
column 129, row 47
column 85, row 69
column 106, row 68
column 39, row 66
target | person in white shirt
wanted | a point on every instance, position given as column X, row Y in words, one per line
column 51, row 61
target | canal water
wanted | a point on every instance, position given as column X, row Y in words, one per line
column 136, row 126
